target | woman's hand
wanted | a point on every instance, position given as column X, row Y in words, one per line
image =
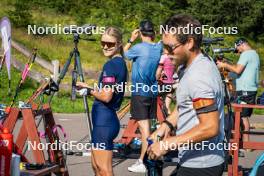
column 81, row 85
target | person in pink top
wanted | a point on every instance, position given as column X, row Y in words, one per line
column 164, row 75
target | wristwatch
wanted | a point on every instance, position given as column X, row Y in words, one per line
column 129, row 41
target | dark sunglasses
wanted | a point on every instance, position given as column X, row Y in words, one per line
column 108, row 44
column 171, row 48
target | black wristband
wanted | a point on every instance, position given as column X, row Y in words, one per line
column 89, row 90
column 169, row 125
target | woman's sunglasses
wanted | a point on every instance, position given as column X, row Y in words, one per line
column 108, row 44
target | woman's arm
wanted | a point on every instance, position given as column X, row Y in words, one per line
column 158, row 73
column 104, row 94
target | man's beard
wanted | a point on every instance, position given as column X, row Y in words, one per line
column 182, row 60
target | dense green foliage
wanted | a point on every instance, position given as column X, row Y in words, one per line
column 247, row 15
column 20, row 16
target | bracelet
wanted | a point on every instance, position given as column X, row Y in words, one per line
column 169, row 125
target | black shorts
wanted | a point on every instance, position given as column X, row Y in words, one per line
column 210, row 171
column 143, row 107
column 248, row 97
column 165, row 89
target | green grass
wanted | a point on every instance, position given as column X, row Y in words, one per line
column 61, row 103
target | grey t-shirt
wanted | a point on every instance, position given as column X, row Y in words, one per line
column 201, row 79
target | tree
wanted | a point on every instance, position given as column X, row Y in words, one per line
column 21, row 16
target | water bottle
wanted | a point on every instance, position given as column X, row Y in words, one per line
column 15, row 165
column 6, row 147
column 136, row 143
column 154, row 167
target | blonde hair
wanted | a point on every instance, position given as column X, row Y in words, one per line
column 117, row 34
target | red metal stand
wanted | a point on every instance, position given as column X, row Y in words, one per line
column 132, row 126
column 233, row 168
column 29, row 131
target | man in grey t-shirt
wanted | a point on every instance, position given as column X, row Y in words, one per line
column 199, row 116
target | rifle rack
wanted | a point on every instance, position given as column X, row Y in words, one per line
column 29, row 131
column 130, row 131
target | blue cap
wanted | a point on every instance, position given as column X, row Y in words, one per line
column 240, row 41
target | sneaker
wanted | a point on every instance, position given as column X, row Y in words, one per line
column 138, row 167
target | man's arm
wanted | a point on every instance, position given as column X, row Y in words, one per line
column 173, row 117
column 164, row 130
column 127, row 46
column 207, row 128
column 237, row 68
column 133, row 37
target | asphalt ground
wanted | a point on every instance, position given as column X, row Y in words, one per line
column 76, row 128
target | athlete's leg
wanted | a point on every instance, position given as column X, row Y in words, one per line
column 246, row 126
column 144, row 128
column 103, row 161
column 94, row 166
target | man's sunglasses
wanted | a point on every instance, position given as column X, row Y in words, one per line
column 108, row 44
column 171, row 48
